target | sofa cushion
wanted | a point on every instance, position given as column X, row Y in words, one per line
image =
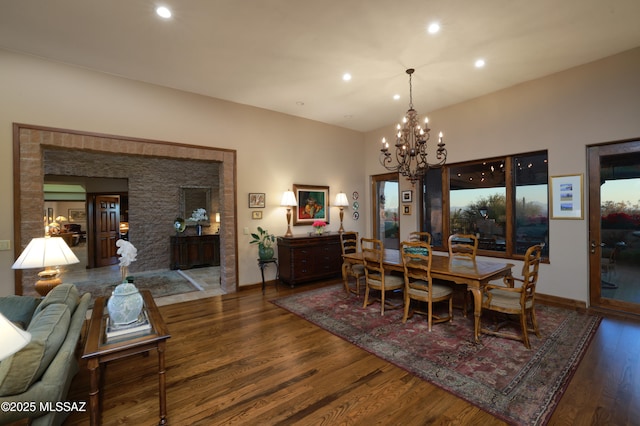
column 48, row 330
column 64, row 293
column 19, row 309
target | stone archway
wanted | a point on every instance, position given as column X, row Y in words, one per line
column 30, row 141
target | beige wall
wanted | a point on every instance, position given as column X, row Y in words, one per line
column 563, row 113
column 273, row 150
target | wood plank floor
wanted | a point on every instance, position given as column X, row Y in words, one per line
column 239, row 359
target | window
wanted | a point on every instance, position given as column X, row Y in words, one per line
column 503, row 201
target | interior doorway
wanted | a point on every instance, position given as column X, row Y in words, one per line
column 614, row 226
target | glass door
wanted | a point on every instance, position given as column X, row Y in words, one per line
column 386, row 205
column 614, row 226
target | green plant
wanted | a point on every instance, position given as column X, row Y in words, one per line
column 263, row 238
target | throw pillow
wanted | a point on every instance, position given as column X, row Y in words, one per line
column 64, row 293
column 48, row 330
column 19, row 309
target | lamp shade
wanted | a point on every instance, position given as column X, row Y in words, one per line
column 341, row 200
column 13, row 339
column 43, row 252
column 217, row 217
column 288, row 199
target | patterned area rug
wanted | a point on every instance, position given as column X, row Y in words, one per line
column 498, row 375
column 160, row 283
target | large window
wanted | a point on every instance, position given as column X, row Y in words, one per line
column 503, row 201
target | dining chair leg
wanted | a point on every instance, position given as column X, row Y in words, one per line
column 534, row 323
column 407, row 303
column 525, row 333
column 366, row 297
column 382, row 302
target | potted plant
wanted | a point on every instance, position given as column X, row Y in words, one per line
column 265, row 241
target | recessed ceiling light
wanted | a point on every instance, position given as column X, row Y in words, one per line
column 163, row 12
column 433, row 28
column 346, row 76
column 300, row 103
column 479, row 63
column 396, row 97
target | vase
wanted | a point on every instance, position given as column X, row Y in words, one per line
column 125, row 304
column 319, row 230
column 265, row 253
column 199, row 229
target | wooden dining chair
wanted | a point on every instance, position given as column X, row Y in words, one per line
column 418, row 285
column 420, row 236
column 349, row 243
column 375, row 276
column 463, row 246
column 511, row 300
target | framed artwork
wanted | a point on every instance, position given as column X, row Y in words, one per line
column 313, row 204
column 256, row 200
column 256, row 214
column 77, row 215
column 406, row 209
column 406, row 196
column 566, row 197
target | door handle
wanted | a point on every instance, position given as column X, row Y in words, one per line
column 593, row 246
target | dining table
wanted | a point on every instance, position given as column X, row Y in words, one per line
column 474, row 273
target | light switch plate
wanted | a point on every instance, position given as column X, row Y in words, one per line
column 5, row 245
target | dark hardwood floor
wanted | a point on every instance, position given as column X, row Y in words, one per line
column 239, row 359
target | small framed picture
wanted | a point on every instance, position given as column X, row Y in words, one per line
column 566, row 197
column 406, row 197
column 256, row 200
column 256, row 214
column 406, row 209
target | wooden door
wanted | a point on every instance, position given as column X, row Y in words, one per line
column 614, row 226
column 107, row 219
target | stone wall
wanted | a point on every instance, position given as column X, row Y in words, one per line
column 154, row 193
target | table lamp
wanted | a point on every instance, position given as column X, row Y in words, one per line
column 341, row 201
column 288, row 201
column 13, row 339
column 48, row 253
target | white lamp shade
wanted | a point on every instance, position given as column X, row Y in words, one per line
column 13, row 339
column 341, row 200
column 43, row 252
column 288, row 199
column 217, row 217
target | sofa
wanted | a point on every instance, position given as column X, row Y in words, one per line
column 42, row 371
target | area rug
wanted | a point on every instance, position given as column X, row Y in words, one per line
column 499, row 375
column 160, row 283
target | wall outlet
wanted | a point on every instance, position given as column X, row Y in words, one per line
column 246, row 231
column 5, row 245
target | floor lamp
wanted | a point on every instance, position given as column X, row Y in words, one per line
column 288, row 201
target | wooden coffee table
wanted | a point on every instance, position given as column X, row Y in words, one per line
column 97, row 351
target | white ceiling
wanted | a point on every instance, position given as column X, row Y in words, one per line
column 279, row 54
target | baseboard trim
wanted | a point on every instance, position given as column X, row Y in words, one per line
column 562, row 302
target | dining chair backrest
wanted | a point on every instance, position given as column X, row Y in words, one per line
column 530, row 269
column 372, row 255
column 349, row 242
column 420, row 236
column 416, row 259
column 463, row 245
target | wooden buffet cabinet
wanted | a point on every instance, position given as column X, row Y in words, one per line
column 306, row 258
column 195, row 250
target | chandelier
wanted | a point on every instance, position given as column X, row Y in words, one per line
column 411, row 145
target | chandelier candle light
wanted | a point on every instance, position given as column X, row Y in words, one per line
column 411, row 145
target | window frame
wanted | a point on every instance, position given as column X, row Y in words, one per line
column 510, row 194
